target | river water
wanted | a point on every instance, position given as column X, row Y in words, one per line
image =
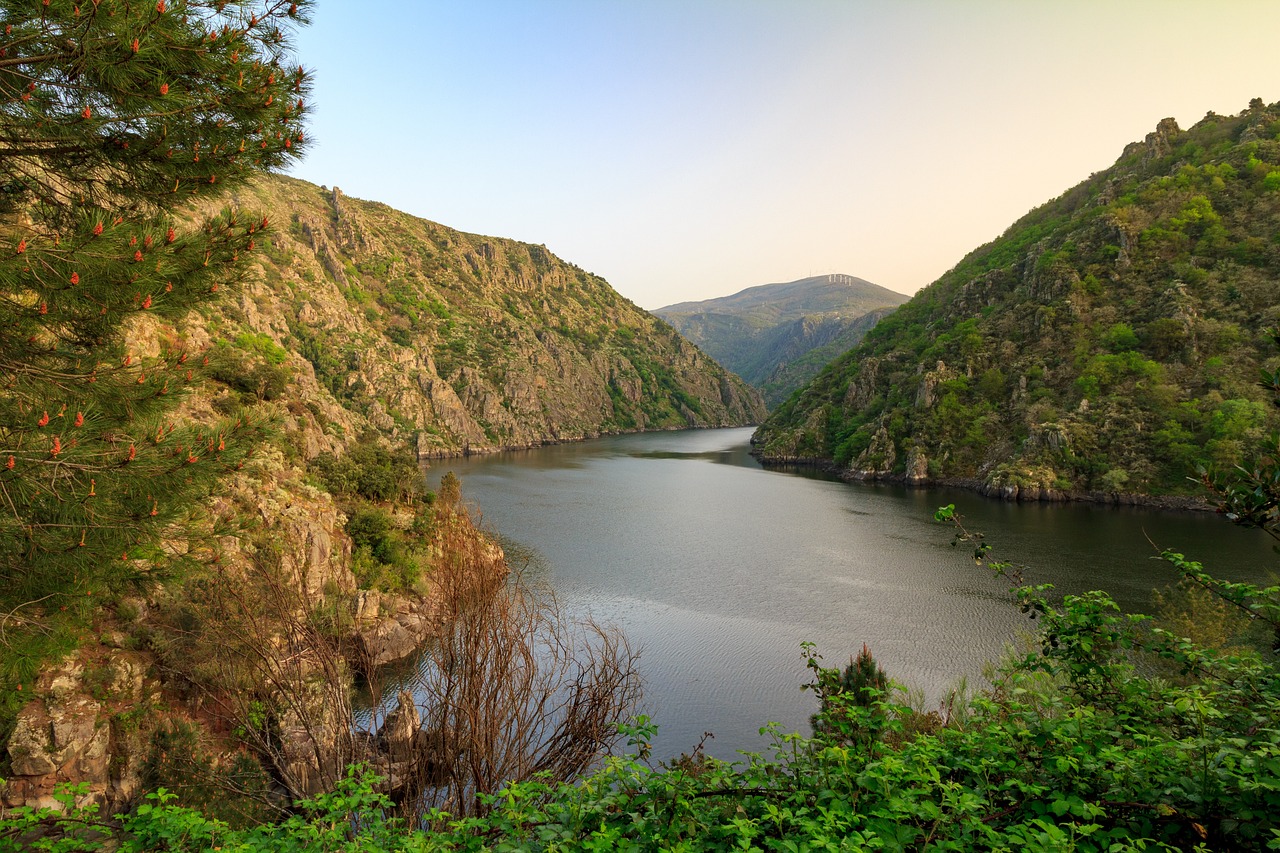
column 718, row 569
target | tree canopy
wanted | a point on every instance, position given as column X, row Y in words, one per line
column 118, row 122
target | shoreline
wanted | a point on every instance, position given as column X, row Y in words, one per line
column 430, row 455
column 1008, row 494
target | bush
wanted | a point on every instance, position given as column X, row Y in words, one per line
column 261, row 378
column 372, row 529
column 371, row 471
column 237, row 792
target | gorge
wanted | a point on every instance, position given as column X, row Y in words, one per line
column 220, row 386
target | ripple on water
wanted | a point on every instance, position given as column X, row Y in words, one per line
column 718, row 569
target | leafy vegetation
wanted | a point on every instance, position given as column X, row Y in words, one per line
column 1075, row 746
column 1099, row 345
column 388, row 511
column 117, row 119
column 1112, row 732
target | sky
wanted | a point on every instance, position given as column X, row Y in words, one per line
column 687, row 149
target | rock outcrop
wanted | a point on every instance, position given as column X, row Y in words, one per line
column 353, row 322
column 463, row 343
column 1105, row 347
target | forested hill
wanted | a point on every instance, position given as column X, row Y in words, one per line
column 467, row 342
column 1110, row 341
column 778, row 336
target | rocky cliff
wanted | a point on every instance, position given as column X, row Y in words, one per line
column 1106, row 345
column 354, row 325
column 468, row 343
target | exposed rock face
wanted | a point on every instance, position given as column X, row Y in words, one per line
column 65, row 735
column 1103, row 347
column 1157, row 144
column 402, row 729
column 82, row 726
column 917, row 467
column 465, row 343
column 369, row 319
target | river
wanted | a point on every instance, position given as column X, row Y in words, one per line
column 718, row 569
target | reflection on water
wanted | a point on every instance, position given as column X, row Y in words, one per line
column 718, row 569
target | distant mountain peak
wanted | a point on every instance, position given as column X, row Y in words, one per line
column 767, row 334
column 791, row 300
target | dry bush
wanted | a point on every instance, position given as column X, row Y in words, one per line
column 250, row 651
column 513, row 688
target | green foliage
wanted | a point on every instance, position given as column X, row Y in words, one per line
column 238, row 792
column 371, row 470
column 116, row 119
column 1073, row 747
column 1120, row 338
column 1119, row 315
column 1113, row 733
column 263, row 346
column 370, row 528
column 366, row 480
column 862, row 685
column 255, row 377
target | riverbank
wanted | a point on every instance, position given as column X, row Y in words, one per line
column 428, row 454
column 1009, row 492
column 242, row 669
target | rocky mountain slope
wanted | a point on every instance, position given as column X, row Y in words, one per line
column 360, row 340
column 1108, row 343
column 468, row 342
column 778, row 336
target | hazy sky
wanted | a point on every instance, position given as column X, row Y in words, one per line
column 685, row 149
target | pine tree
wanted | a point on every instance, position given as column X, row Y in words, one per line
column 849, row 700
column 118, row 120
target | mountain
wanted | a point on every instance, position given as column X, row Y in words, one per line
column 467, row 342
column 1108, row 342
column 790, row 354
column 768, row 334
column 358, row 341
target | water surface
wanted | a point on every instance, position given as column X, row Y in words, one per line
column 718, row 569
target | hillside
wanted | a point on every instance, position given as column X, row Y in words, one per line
column 767, row 334
column 1109, row 342
column 790, row 354
column 358, row 341
column 467, row 342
